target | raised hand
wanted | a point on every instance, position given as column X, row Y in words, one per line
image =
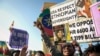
column 23, row 51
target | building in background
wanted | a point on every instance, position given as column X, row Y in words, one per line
column 47, row 5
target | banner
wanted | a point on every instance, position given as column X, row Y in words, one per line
column 61, row 15
column 18, row 38
column 95, row 11
column 73, row 20
column 82, row 30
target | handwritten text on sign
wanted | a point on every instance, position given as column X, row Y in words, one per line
column 82, row 30
column 63, row 13
column 18, row 38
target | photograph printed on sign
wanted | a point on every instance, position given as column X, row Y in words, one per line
column 59, row 32
column 83, row 8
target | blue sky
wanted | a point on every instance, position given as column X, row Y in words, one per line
column 24, row 13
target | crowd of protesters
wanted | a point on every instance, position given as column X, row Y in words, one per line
column 68, row 49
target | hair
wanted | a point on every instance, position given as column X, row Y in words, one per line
column 57, row 31
column 17, row 52
column 77, row 45
column 41, row 52
column 92, row 49
column 68, row 45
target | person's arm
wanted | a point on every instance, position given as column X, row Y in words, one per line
column 23, row 51
column 48, row 43
column 43, row 34
column 46, row 39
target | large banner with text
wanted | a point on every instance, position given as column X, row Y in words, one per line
column 70, row 22
column 61, row 15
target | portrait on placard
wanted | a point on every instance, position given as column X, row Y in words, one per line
column 59, row 33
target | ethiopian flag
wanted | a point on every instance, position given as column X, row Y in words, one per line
column 45, row 20
column 3, row 48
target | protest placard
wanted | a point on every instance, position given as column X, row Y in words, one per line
column 18, row 38
column 61, row 15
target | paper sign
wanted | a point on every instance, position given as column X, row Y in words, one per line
column 18, row 38
column 95, row 10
